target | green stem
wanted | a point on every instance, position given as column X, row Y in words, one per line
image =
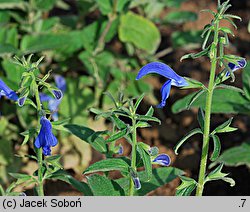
column 208, row 107
column 133, row 157
column 39, row 151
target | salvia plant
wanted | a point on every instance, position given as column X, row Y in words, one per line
column 223, row 66
column 145, row 168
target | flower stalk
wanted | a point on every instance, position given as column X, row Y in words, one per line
column 208, row 106
column 39, row 150
column 133, row 157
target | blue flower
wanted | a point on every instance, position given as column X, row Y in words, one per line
column 136, row 182
column 120, row 150
column 6, row 91
column 162, row 159
column 164, row 70
column 241, row 64
column 53, row 103
column 45, row 138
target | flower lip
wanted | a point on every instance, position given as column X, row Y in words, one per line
column 241, row 64
column 163, row 70
column 165, row 91
column 6, row 91
column 162, row 159
column 45, row 138
column 60, row 82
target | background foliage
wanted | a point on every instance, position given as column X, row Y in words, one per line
column 99, row 46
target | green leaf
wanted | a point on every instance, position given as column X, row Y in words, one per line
column 88, row 135
column 105, row 6
column 236, row 156
column 21, row 177
column 217, row 148
column 180, row 17
column 59, row 125
column 50, row 41
column 64, row 176
column 117, row 136
column 226, row 30
column 142, row 124
column 108, row 165
column 224, row 101
column 192, row 83
column 190, row 134
column 195, row 55
column 44, row 5
column 160, row 177
column 173, row 3
column 147, row 118
column 102, row 186
column 216, row 174
column 186, row 39
column 54, row 160
column 6, row 49
column 118, row 122
column 230, row 87
column 201, row 117
column 186, row 187
column 246, row 79
column 225, row 127
column 13, row 4
column 28, row 134
column 138, row 102
column 139, row 31
column 146, row 160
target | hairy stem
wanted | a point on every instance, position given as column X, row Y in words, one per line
column 205, row 146
column 39, row 151
column 133, row 158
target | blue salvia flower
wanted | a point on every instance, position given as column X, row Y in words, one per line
column 162, row 159
column 136, row 182
column 45, row 138
column 120, row 150
column 6, row 91
column 164, row 70
column 241, row 64
column 53, row 103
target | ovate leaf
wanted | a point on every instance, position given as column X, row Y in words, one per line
column 108, row 165
column 139, row 31
column 102, row 186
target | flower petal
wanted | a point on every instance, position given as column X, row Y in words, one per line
column 162, row 159
column 44, row 97
column 46, row 150
column 60, row 82
column 37, row 142
column 165, row 91
column 120, row 150
column 241, row 64
column 163, row 70
column 6, row 91
column 45, row 138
